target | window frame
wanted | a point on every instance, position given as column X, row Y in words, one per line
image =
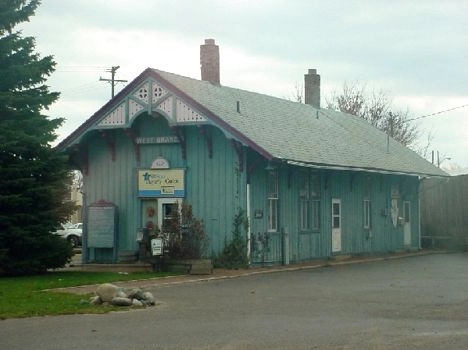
column 272, row 199
column 309, row 202
column 367, row 214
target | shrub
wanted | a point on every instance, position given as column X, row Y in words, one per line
column 234, row 254
column 185, row 234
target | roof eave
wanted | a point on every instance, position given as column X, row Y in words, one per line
column 212, row 116
column 366, row 169
column 149, row 72
column 75, row 135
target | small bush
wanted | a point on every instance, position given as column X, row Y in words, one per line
column 234, row 254
column 185, row 234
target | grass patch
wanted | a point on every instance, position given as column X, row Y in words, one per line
column 25, row 296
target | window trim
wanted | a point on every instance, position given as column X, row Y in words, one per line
column 309, row 214
column 315, row 209
column 367, row 213
column 272, row 198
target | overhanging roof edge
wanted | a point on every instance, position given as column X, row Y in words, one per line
column 212, row 116
column 370, row 170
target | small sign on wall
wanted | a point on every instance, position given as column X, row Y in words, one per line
column 258, row 213
column 161, row 183
column 101, row 220
column 160, row 163
column 156, row 246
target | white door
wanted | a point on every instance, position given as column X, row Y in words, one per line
column 407, row 223
column 336, row 225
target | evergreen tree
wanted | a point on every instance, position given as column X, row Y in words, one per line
column 34, row 177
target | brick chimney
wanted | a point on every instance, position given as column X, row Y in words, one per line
column 312, row 88
column 209, row 61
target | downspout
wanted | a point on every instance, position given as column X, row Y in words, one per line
column 419, row 218
column 84, row 233
column 249, row 233
column 419, row 212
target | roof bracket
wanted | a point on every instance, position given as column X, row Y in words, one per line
column 80, row 158
column 181, row 136
column 132, row 135
column 206, row 132
column 240, row 154
column 110, row 139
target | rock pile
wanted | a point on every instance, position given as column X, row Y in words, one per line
column 108, row 293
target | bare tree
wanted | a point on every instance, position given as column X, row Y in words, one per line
column 377, row 109
column 297, row 95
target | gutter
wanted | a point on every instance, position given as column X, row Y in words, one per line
column 370, row 170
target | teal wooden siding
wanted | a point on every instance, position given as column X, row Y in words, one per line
column 351, row 188
column 216, row 188
column 112, row 181
column 303, row 244
column 214, row 185
column 383, row 236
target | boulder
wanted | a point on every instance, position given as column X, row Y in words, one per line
column 110, row 293
column 137, row 303
column 135, row 293
column 121, row 294
column 148, row 298
column 119, row 301
column 107, row 291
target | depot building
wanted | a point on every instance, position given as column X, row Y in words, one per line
column 313, row 182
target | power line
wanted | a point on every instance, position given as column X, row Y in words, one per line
column 65, row 68
column 436, row 113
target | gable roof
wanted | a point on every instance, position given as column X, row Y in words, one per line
column 279, row 129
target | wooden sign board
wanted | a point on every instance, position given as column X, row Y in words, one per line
column 156, row 246
column 101, row 225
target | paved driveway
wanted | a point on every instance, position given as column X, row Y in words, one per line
column 409, row 303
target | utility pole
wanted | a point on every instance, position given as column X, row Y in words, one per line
column 112, row 80
column 439, row 158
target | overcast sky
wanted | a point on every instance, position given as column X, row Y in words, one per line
column 415, row 51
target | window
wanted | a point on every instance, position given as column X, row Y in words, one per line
column 367, row 213
column 367, row 207
column 316, row 214
column 304, row 203
column 168, row 214
column 309, row 202
column 336, row 214
column 273, row 201
column 406, row 211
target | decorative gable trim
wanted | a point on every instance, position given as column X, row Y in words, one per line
column 134, row 108
column 158, row 92
column 166, row 106
column 164, row 98
column 142, row 93
column 152, row 97
column 114, row 118
column 185, row 114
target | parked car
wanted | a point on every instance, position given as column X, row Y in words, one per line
column 72, row 233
